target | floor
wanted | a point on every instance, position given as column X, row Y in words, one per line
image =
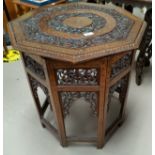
column 23, row 134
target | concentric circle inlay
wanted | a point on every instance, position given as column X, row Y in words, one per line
column 77, row 22
column 66, row 26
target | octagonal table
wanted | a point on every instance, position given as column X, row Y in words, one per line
column 80, row 55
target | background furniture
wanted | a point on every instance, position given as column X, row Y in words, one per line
column 84, row 64
column 143, row 59
column 145, row 48
column 23, row 7
column 8, row 5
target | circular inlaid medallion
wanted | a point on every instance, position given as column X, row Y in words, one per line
column 101, row 23
column 77, row 22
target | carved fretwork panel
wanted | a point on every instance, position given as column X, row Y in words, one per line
column 34, row 66
column 116, row 97
column 44, row 106
column 121, row 64
column 35, row 84
column 67, row 99
column 77, row 76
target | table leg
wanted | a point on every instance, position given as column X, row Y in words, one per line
column 102, row 107
column 58, row 109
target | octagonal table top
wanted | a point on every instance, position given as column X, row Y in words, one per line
column 77, row 32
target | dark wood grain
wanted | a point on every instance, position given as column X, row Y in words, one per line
column 95, row 74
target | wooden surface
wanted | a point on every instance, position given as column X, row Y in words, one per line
column 11, row 10
column 5, row 22
column 87, row 46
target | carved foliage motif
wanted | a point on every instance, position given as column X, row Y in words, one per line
column 121, row 64
column 35, row 84
column 97, row 23
column 120, row 88
column 34, row 66
column 77, row 76
column 68, row 98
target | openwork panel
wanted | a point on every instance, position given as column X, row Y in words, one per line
column 43, row 102
column 34, row 66
column 35, row 84
column 116, row 98
column 77, row 76
column 80, row 111
column 68, row 98
column 121, row 64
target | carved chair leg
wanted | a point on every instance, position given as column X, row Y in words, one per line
column 103, row 1
column 91, row 1
column 139, row 69
column 148, row 55
column 145, row 48
column 119, row 4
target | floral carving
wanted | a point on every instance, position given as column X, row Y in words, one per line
column 118, row 87
column 67, row 99
column 77, row 76
column 34, row 66
column 121, row 64
column 35, row 84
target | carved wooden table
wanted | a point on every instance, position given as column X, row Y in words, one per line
column 79, row 54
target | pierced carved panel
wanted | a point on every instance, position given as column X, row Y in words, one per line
column 35, row 84
column 67, row 99
column 119, row 87
column 116, row 99
column 34, row 66
column 77, row 76
column 121, row 64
